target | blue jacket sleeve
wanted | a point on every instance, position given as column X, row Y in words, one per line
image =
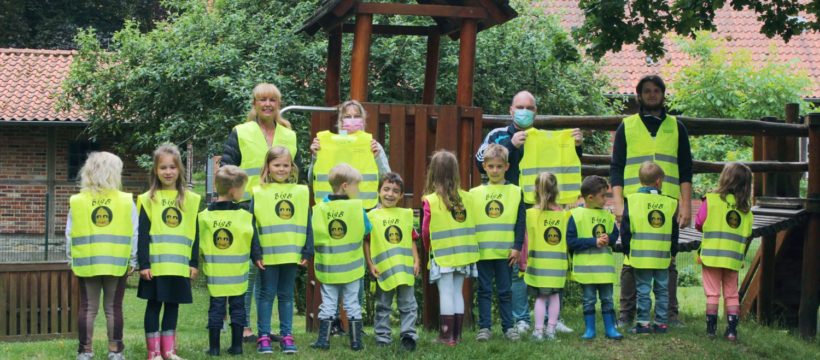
column 520, row 225
column 367, row 225
column 307, row 250
column 575, row 243
column 626, row 232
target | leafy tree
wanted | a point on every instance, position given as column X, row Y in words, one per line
column 609, row 24
column 725, row 84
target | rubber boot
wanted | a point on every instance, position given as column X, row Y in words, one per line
column 356, row 331
column 731, row 330
column 458, row 324
column 152, row 345
column 323, row 341
column 446, row 326
column 609, row 326
column 711, row 325
column 589, row 323
column 168, row 345
column 213, row 341
column 236, row 339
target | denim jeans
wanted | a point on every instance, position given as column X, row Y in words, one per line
column 603, row 291
column 500, row 270
column 253, row 293
column 276, row 281
column 520, row 301
column 643, row 285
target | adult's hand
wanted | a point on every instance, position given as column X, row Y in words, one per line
column 314, row 147
column 519, row 138
column 260, row 264
column 579, row 136
column 146, row 275
column 685, row 205
column 618, row 202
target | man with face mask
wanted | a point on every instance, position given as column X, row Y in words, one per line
column 512, row 137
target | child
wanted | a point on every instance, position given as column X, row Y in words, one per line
column 280, row 207
column 649, row 236
column 167, row 251
column 393, row 260
column 500, row 226
column 227, row 239
column 448, row 231
column 547, row 261
column 339, row 226
column 591, row 232
column 725, row 219
column 101, row 236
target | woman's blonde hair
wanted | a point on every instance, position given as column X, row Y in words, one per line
column 736, row 179
column 268, row 90
column 546, row 190
column 274, row 153
column 443, row 178
column 102, row 171
column 153, row 179
column 344, row 106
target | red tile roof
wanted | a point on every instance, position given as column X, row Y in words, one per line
column 740, row 29
column 29, row 82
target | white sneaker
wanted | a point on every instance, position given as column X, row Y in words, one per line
column 522, row 327
column 538, row 335
column 512, row 335
column 115, row 356
column 483, row 335
column 85, row 356
column 562, row 328
column 550, row 334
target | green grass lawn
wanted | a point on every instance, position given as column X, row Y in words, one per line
column 689, row 342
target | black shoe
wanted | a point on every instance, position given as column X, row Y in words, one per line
column 408, row 343
column 213, row 341
column 356, row 330
column 382, row 344
column 323, row 341
column 731, row 330
column 236, row 340
column 711, row 326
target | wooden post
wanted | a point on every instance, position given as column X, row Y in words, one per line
column 361, row 57
column 431, row 68
column 807, row 314
column 334, row 67
column 766, row 270
column 466, row 62
column 788, row 184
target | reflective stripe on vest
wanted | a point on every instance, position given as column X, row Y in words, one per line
column 594, row 265
column 496, row 212
column 101, row 233
column 452, row 241
column 354, row 150
column 662, row 149
column 281, row 212
column 225, row 242
column 650, row 221
column 547, row 260
column 724, row 233
column 391, row 246
column 554, row 152
column 254, row 146
column 338, row 232
column 172, row 231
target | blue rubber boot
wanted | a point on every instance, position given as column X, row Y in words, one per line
column 609, row 326
column 589, row 332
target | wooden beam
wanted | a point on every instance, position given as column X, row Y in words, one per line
column 431, row 68
column 361, row 57
column 334, row 68
column 449, row 11
column 394, row 29
column 466, row 62
column 807, row 313
column 705, row 167
column 788, row 184
column 766, row 271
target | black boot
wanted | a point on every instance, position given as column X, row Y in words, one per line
column 445, row 332
column 236, row 339
column 731, row 330
column 408, row 343
column 458, row 324
column 213, row 341
column 711, row 325
column 356, row 332
column 323, row 341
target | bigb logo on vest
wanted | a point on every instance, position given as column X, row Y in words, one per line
column 337, row 229
column 393, row 234
column 733, row 219
column 284, row 209
column 656, row 218
column 459, row 213
column 172, row 217
column 102, row 216
column 552, row 235
column 223, row 238
column 494, row 209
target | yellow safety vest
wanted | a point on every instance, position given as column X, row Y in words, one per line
column 225, row 238
column 338, row 232
column 662, row 149
column 724, row 233
column 547, row 260
column 281, row 212
column 554, row 152
column 452, row 233
column 593, row 265
column 496, row 212
column 391, row 246
column 173, row 231
column 254, row 147
column 101, row 233
column 650, row 221
column 354, row 150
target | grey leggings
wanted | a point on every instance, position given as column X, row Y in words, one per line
column 450, row 298
column 113, row 289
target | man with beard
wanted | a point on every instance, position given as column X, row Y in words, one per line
column 652, row 135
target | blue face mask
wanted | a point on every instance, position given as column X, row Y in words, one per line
column 523, row 118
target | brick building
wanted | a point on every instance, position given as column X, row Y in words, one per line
column 41, row 150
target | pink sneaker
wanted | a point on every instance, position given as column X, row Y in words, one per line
column 263, row 345
column 287, row 345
